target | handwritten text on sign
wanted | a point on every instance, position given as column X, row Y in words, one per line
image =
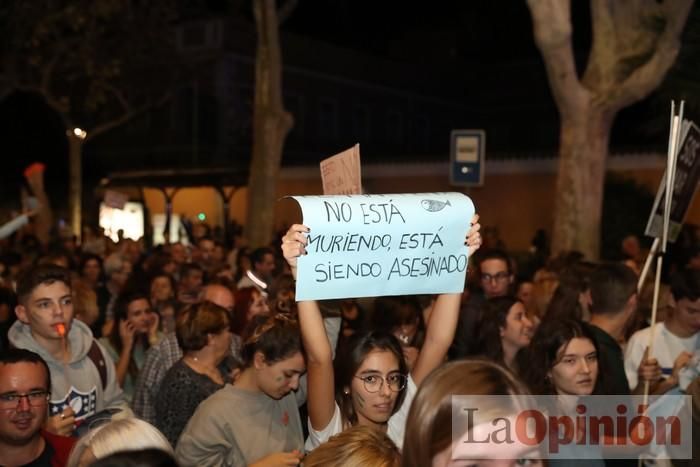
column 341, row 174
column 374, row 245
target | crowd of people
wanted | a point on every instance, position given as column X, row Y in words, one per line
column 198, row 354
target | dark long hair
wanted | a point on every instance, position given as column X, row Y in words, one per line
column 349, row 361
column 543, row 352
column 494, row 314
column 391, row 312
column 121, row 313
column 565, row 302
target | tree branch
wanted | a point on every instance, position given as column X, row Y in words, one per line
column 285, row 11
column 118, row 95
column 125, row 117
column 552, row 29
column 59, row 107
column 602, row 57
column 47, row 74
column 648, row 76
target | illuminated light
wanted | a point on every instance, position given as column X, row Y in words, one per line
column 80, row 133
column 257, row 281
column 129, row 219
column 201, row 216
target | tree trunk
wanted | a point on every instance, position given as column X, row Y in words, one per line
column 579, row 197
column 634, row 45
column 271, row 124
column 75, row 150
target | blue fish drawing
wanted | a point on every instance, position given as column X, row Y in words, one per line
column 434, row 206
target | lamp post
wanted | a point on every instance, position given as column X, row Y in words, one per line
column 76, row 138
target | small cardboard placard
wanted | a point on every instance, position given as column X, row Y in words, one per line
column 685, row 185
column 341, row 174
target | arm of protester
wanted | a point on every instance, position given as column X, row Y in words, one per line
column 648, row 370
column 634, row 352
column 14, row 225
column 443, row 320
column 126, row 332
column 319, row 354
column 439, row 336
column 62, row 423
column 332, row 325
column 666, row 384
column 34, row 174
column 279, row 459
column 154, row 335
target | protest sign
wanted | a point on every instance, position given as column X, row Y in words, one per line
column 374, row 245
column 341, row 174
column 685, row 184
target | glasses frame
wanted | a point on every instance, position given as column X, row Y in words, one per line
column 381, row 384
column 45, row 395
column 498, row 277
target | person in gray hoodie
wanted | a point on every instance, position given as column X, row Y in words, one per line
column 83, row 381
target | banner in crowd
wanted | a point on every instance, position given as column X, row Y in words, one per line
column 685, row 185
column 375, row 245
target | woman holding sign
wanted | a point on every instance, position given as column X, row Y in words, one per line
column 370, row 384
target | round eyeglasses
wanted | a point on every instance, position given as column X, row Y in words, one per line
column 375, row 383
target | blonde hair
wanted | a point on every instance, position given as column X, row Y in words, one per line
column 116, row 436
column 429, row 423
column 359, row 446
column 84, row 302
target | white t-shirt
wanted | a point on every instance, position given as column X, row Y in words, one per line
column 667, row 347
column 395, row 430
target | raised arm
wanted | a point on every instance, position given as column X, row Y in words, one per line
column 443, row 320
column 127, row 334
column 319, row 355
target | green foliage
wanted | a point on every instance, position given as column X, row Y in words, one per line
column 626, row 209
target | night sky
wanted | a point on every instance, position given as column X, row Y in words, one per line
column 453, row 34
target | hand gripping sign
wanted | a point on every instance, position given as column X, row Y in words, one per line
column 374, row 245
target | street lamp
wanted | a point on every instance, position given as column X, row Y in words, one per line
column 76, row 139
column 80, row 133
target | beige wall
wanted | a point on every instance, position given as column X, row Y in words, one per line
column 517, row 202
